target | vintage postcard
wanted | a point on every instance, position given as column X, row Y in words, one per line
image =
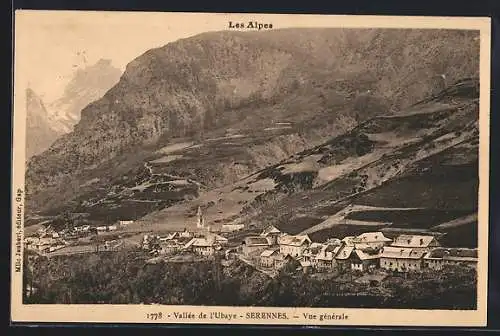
column 183, row 168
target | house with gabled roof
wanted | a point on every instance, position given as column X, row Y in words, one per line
column 343, row 256
column 169, row 247
column 218, row 238
column 286, row 262
column 268, row 257
column 416, row 242
column 254, row 244
column 370, row 239
column 438, row 258
column 171, row 236
column 271, row 229
column 80, row 229
column 401, row 259
column 310, row 253
column 294, row 245
column 306, row 265
column 363, row 260
column 186, row 234
column 182, row 240
column 202, row 246
column 348, row 241
column 271, row 233
column 325, row 259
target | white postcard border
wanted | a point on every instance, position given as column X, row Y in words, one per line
column 139, row 313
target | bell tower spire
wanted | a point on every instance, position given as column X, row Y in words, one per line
column 200, row 223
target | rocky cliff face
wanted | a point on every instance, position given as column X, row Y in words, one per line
column 321, row 80
column 87, row 85
column 39, row 133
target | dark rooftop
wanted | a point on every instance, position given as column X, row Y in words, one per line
column 255, row 241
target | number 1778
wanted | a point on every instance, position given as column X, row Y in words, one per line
column 154, row 316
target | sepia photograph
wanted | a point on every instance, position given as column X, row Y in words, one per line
column 250, row 168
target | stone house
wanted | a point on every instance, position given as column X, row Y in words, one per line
column 268, row 258
column 202, row 246
column 401, row 259
column 310, row 253
column 370, row 239
column 363, row 261
column 169, row 247
column 293, row 245
column 438, row 258
column 343, row 257
column 416, row 242
column 272, row 234
column 253, row 245
column 325, row 259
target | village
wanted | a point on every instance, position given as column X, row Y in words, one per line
column 271, row 250
column 80, row 239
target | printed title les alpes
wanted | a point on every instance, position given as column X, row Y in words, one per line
column 250, row 25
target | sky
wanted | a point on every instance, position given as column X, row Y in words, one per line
column 51, row 45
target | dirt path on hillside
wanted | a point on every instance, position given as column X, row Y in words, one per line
column 340, row 218
column 456, row 222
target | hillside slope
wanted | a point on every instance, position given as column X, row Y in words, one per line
column 412, row 171
column 283, row 90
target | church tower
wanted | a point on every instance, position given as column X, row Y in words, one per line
column 200, row 223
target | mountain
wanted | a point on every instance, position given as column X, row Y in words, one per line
column 47, row 122
column 39, row 132
column 87, row 85
column 207, row 111
column 412, row 171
